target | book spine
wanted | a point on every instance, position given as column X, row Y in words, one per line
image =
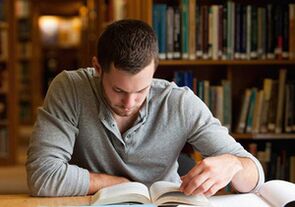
column 184, row 29
column 192, row 29
column 205, row 20
column 280, row 105
column 227, row 105
column 199, row 31
column 254, row 33
column 170, row 32
column 177, row 34
column 252, row 103
column 285, row 13
column 244, row 111
column 270, row 32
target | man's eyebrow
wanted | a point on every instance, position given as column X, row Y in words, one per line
column 120, row 89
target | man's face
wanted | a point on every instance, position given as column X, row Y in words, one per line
column 125, row 93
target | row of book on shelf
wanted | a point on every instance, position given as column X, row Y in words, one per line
column 232, row 30
column 270, row 109
column 267, row 110
column 277, row 162
column 216, row 97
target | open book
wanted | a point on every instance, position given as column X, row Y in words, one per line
column 274, row 193
column 160, row 193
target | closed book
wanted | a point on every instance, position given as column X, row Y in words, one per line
column 177, row 34
column 273, row 107
column 192, row 30
column 227, row 104
column 257, row 111
column 289, row 108
column 281, row 98
column 184, row 29
column 250, row 116
column 267, row 88
column 244, row 111
column 170, row 32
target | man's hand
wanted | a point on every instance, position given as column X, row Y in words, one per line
column 210, row 175
column 99, row 181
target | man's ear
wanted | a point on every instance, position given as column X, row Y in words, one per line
column 97, row 66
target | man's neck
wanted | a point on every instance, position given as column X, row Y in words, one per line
column 125, row 123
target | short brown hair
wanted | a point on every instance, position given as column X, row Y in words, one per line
column 129, row 44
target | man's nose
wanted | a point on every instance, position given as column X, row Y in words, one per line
column 129, row 100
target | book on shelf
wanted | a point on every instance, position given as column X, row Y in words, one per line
column 289, row 107
column 3, row 44
column 274, row 193
column 192, row 29
column 184, row 29
column 159, row 193
column 267, row 84
column 243, row 112
column 160, row 27
column 250, row 117
column 229, row 30
column 281, row 99
column 257, row 111
column 4, row 142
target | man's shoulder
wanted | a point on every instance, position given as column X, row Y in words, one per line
column 164, row 87
column 81, row 73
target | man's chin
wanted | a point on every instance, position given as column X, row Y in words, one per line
column 124, row 113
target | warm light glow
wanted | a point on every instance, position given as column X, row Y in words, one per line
column 61, row 31
column 49, row 24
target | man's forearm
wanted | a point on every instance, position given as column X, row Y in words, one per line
column 100, row 180
column 247, row 178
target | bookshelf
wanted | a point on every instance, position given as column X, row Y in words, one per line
column 244, row 54
column 24, row 61
column 8, row 88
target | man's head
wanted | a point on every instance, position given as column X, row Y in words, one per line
column 128, row 44
column 126, row 62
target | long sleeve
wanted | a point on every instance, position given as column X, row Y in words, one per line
column 51, row 146
column 207, row 136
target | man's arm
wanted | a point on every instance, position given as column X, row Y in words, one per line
column 100, row 180
column 214, row 173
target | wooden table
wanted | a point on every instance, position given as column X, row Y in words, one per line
column 28, row 201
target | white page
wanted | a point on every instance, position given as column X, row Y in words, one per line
column 123, row 192
column 278, row 192
column 238, row 200
column 159, row 188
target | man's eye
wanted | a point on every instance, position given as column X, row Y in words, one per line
column 118, row 91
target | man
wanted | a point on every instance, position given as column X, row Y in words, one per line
column 114, row 123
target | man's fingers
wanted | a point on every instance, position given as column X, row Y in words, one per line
column 195, row 183
column 205, row 187
column 190, row 175
column 211, row 191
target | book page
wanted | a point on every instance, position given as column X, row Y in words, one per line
column 122, row 193
column 163, row 192
column 238, row 200
column 161, row 187
column 278, row 192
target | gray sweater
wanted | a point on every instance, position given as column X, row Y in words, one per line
column 75, row 133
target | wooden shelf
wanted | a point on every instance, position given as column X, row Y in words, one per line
column 3, row 122
column 271, row 136
column 3, row 25
column 225, row 62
